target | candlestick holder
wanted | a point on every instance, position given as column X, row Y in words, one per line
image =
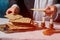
column 43, row 25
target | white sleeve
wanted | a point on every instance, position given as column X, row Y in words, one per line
column 15, row 5
column 58, row 7
column 58, row 11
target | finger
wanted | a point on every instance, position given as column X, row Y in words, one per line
column 13, row 10
column 8, row 12
column 16, row 11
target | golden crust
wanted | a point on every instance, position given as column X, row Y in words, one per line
column 18, row 18
column 13, row 17
column 23, row 20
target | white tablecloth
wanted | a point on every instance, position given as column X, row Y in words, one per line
column 31, row 35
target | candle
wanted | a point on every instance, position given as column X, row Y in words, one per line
column 51, row 21
column 43, row 18
column 51, row 25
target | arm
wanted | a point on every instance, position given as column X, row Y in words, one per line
column 55, row 10
column 12, row 2
column 57, row 15
column 14, row 8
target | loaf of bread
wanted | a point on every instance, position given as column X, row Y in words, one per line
column 19, row 23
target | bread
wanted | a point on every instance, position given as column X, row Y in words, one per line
column 13, row 17
column 19, row 23
column 23, row 20
column 18, row 18
column 10, row 16
column 18, row 27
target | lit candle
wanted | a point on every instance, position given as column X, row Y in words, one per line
column 51, row 21
column 43, row 18
column 43, row 21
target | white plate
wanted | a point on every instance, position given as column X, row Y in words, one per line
column 3, row 21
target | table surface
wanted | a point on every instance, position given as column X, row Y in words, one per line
column 37, row 34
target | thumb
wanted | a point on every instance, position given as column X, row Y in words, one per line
column 8, row 12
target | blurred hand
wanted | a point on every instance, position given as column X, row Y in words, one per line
column 50, row 10
column 13, row 10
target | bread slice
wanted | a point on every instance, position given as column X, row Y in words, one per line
column 13, row 17
column 18, row 18
column 23, row 20
column 17, row 27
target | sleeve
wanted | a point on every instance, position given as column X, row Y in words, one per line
column 13, row 3
column 56, row 17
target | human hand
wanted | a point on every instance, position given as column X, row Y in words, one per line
column 13, row 10
column 50, row 10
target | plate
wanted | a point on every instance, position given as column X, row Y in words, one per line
column 3, row 21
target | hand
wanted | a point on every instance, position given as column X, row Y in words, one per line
column 13, row 10
column 50, row 10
